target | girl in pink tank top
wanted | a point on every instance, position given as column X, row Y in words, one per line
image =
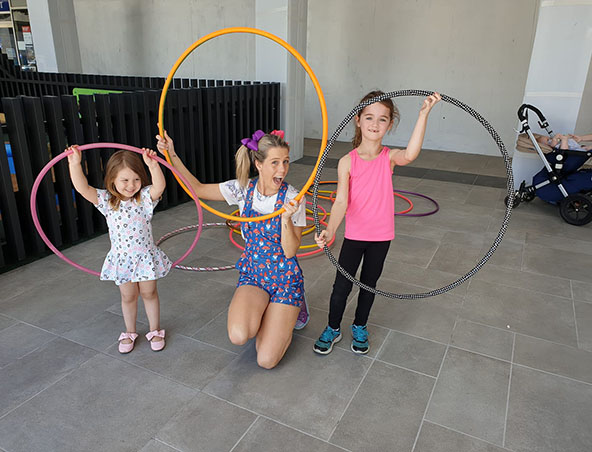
column 365, row 199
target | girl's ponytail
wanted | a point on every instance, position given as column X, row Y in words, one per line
column 243, row 165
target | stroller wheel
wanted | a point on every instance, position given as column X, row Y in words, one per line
column 516, row 200
column 576, row 209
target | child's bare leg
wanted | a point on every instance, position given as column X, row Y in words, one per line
column 275, row 334
column 245, row 312
column 129, row 307
column 149, row 294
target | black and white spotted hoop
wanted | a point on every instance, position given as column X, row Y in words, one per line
column 510, row 189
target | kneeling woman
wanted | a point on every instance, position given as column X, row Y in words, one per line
column 270, row 289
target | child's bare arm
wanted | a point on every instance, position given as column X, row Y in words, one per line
column 158, row 180
column 403, row 157
column 77, row 176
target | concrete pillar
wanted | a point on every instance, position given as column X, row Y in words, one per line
column 287, row 20
column 55, row 36
column 558, row 74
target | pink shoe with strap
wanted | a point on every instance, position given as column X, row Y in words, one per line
column 126, row 348
column 156, row 345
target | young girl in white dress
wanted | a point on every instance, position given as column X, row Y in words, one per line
column 134, row 261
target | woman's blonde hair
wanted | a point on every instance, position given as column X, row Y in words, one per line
column 245, row 157
column 388, row 103
column 118, row 161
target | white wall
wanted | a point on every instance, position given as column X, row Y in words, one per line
column 145, row 37
column 477, row 51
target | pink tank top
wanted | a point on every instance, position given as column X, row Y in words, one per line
column 370, row 214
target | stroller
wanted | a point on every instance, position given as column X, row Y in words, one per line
column 561, row 181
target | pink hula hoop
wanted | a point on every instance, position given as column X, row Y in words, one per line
column 84, row 147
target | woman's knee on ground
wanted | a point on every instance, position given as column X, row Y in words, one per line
column 268, row 356
column 238, row 334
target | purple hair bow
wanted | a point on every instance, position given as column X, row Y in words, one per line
column 253, row 142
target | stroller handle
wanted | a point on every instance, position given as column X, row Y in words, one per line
column 523, row 116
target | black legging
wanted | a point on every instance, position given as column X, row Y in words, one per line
column 352, row 251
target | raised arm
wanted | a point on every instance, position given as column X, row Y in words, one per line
column 77, row 176
column 158, row 181
column 203, row 191
column 340, row 204
column 403, row 157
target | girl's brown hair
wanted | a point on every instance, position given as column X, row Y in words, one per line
column 388, row 103
column 118, row 161
column 244, row 156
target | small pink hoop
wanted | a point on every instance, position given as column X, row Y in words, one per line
column 125, row 147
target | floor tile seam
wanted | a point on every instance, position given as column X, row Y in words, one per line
column 33, row 351
column 425, row 411
column 550, row 342
column 209, row 322
column 485, row 355
column 39, row 392
column 529, row 273
column 509, row 388
column 158, row 440
column 277, row 421
column 245, row 433
column 573, row 305
column 518, row 334
column 409, row 334
column 373, row 360
column 210, row 345
column 575, row 380
column 468, row 435
column 382, row 361
column 122, row 359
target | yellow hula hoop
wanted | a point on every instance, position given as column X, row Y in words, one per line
column 310, row 73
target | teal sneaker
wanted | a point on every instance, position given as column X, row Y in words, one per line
column 324, row 344
column 360, row 339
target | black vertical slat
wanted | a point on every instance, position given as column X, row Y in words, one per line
column 191, row 159
column 276, row 106
column 63, row 187
column 223, row 102
column 15, row 121
column 214, row 151
column 249, row 116
column 132, row 126
column 185, row 120
column 241, row 130
column 173, row 126
column 88, row 217
column 105, row 124
column 268, row 103
column 118, row 118
column 15, row 242
column 200, row 138
column 146, row 124
column 234, row 136
column 39, row 154
column 258, row 106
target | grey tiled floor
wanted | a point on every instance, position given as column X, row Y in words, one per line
column 501, row 363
